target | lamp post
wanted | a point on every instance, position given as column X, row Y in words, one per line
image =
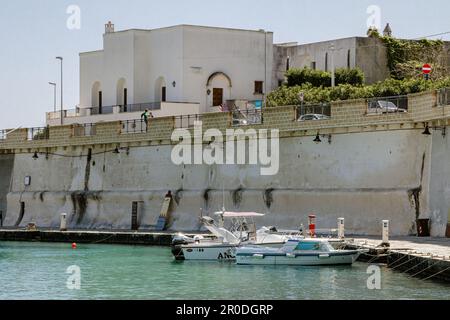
column 62, row 101
column 333, row 78
column 54, row 95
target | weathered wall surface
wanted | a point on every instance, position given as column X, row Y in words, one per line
column 365, row 177
column 6, row 167
column 439, row 184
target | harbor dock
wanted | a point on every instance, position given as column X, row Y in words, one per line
column 421, row 257
column 151, row 238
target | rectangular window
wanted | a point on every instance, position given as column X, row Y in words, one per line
column 259, row 87
column 313, row 65
column 217, row 97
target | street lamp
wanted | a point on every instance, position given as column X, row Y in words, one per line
column 333, row 81
column 62, row 101
column 54, row 94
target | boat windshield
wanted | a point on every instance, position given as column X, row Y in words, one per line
column 314, row 246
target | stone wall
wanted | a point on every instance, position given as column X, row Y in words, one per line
column 367, row 168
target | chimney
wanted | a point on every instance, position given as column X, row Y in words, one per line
column 109, row 27
column 387, row 32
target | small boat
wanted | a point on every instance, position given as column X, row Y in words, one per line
column 223, row 246
column 299, row 252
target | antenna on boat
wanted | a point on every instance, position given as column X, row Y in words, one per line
column 223, row 196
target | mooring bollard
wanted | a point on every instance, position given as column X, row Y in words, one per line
column 385, row 234
column 63, row 226
column 341, row 228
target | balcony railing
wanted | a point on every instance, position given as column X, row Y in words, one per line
column 84, row 130
column 320, row 111
column 133, row 126
column 38, row 133
column 387, row 105
column 101, row 110
column 138, row 107
column 187, row 121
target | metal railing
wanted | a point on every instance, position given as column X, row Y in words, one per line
column 38, row 133
column 2, row 134
column 247, row 117
column 102, row 110
column 187, row 121
column 137, row 107
column 84, row 130
column 443, row 97
column 133, row 126
column 386, row 105
column 319, row 111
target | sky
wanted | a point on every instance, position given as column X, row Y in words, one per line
column 33, row 33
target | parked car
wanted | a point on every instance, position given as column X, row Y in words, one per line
column 313, row 116
column 384, row 107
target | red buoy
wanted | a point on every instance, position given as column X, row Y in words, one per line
column 74, row 245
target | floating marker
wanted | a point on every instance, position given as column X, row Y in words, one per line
column 74, row 245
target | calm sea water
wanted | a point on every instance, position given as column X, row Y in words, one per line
column 38, row 271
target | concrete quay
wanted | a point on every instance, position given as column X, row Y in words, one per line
column 425, row 258
column 150, row 238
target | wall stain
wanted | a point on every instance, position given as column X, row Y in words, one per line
column 268, row 197
column 206, row 198
column 80, row 203
column 178, row 196
column 237, row 197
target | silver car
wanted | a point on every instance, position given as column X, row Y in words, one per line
column 313, row 116
column 384, row 107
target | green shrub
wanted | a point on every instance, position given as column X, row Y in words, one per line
column 290, row 95
column 318, row 78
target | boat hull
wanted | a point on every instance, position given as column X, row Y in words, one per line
column 211, row 252
column 316, row 259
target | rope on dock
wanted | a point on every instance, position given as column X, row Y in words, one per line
column 415, row 266
column 425, row 269
column 401, row 264
column 448, row 268
column 402, row 257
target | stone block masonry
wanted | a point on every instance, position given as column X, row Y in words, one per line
column 373, row 167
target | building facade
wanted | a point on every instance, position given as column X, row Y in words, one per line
column 368, row 54
column 176, row 70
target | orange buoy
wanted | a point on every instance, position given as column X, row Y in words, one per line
column 74, row 245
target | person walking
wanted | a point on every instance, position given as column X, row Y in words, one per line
column 145, row 116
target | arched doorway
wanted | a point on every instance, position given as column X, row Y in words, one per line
column 218, row 89
column 122, row 94
column 160, row 90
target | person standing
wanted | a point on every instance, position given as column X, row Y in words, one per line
column 146, row 115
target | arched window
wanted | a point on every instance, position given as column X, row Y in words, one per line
column 349, row 63
column 160, row 90
column 122, row 93
column 96, row 95
column 326, row 61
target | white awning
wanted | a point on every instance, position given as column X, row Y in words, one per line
column 228, row 214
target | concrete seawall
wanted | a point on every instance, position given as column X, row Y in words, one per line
column 366, row 169
column 330, row 180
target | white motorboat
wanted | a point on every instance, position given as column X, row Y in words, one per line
column 225, row 242
column 299, row 252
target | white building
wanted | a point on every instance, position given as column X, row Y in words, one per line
column 176, row 70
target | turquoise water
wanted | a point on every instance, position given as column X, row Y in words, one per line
column 38, row 271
